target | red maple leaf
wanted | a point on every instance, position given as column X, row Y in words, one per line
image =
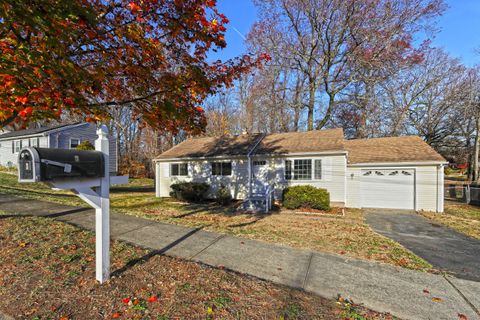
column 133, row 7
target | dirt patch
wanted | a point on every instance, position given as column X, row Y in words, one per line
column 47, row 272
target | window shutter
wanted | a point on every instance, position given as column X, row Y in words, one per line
column 288, row 169
column 13, row 146
column 318, row 169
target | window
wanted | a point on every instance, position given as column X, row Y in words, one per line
column 259, row 163
column 179, row 169
column 18, row 146
column 302, row 169
column 221, row 168
column 34, row 142
column 74, row 142
column 318, row 169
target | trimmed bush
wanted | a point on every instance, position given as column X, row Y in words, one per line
column 85, row 145
column 189, row 191
column 306, row 197
column 223, row 196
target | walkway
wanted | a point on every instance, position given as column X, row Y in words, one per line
column 380, row 287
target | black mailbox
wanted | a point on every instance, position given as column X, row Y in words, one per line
column 45, row 164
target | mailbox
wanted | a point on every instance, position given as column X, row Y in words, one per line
column 45, row 164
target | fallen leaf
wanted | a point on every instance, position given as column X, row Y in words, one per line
column 116, row 315
column 426, row 291
column 153, row 299
column 461, row 316
column 435, row 299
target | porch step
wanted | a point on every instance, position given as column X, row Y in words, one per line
column 254, row 204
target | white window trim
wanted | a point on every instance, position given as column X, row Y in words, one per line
column 70, row 142
column 313, row 170
column 15, row 146
column 36, row 139
column 179, row 175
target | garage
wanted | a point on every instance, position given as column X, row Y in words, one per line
column 388, row 188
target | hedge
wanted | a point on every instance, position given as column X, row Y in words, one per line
column 306, row 197
column 189, row 191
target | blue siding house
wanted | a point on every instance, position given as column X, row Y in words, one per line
column 62, row 136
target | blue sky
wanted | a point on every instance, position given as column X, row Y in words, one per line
column 459, row 28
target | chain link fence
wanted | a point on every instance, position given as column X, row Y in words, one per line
column 466, row 193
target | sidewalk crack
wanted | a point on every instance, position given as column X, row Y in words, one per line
column 308, row 271
column 211, row 244
column 463, row 296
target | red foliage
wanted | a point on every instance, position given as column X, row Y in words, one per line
column 86, row 56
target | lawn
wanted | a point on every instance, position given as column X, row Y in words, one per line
column 461, row 217
column 47, row 272
column 348, row 235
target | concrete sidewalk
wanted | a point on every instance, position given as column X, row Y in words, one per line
column 378, row 286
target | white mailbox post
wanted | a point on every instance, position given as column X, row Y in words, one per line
column 96, row 192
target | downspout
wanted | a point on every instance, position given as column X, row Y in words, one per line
column 249, row 159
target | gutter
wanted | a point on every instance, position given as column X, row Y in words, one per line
column 249, row 159
column 384, row 164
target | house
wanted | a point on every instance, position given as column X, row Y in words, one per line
column 61, row 136
column 397, row 172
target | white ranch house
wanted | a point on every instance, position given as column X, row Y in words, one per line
column 60, row 136
column 394, row 173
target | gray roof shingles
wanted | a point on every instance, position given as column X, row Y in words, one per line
column 28, row 132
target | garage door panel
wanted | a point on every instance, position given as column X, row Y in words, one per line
column 392, row 188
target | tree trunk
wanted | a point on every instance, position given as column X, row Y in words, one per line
column 476, row 154
column 328, row 113
column 311, row 104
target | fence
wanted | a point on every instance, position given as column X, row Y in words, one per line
column 465, row 193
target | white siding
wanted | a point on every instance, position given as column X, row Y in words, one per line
column 58, row 139
column 333, row 176
column 428, row 186
column 8, row 155
column 200, row 171
column 86, row 131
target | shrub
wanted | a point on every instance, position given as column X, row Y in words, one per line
column 189, row 191
column 306, row 197
column 223, row 196
column 85, row 145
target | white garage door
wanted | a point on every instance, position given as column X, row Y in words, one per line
column 392, row 188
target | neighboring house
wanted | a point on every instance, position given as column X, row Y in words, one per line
column 398, row 172
column 62, row 136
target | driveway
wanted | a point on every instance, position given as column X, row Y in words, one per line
column 444, row 248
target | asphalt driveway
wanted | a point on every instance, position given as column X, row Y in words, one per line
column 444, row 248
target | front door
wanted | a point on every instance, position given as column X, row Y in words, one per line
column 260, row 176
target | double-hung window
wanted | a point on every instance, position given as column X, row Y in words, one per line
column 74, row 142
column 178, row 169
column 221, row 168
column 303, row 169
column 34, row 142
column 18, row 146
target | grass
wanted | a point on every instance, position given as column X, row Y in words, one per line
column 461, row 217
column 348, row 235
column 47, row 272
